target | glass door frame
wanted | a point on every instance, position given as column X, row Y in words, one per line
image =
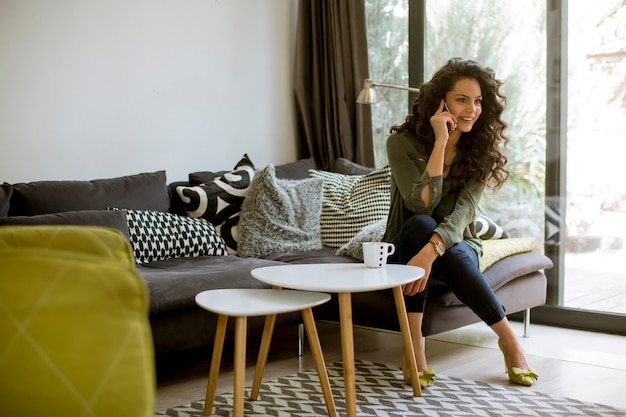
column 554, row 313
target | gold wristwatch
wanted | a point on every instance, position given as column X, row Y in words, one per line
column 439, row 249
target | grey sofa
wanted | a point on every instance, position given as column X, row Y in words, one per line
column 177, row 323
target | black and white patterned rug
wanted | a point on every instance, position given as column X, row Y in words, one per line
column 381, row 391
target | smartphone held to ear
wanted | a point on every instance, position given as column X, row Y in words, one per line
column 452, row 126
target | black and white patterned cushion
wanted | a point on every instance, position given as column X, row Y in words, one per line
column 229, row 230
column 156, row 235
column 352, row 202
column 487, row 229
column 371, row 233
column 219, row 201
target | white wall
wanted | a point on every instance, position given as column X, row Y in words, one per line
column 102, row 88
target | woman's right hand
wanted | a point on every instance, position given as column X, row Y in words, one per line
column 443, row 122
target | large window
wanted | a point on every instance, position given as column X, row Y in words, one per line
column 564, row 68
column 489, row 31
column 388, row 48
column 595, row 278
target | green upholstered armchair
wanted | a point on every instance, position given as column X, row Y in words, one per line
column 74, row 333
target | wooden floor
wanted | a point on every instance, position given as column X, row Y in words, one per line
column 596, row 281
column 596, row 290
column 575, row 364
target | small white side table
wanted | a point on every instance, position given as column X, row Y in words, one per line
column 242, row 303
column 345, row 279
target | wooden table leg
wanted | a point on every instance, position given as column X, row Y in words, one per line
column 347, row 350
column 240, row 365
column 318, row 356
column 216, row 357
column 266, row 339
column 407, row 343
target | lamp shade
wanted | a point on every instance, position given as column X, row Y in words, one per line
column 367, row 94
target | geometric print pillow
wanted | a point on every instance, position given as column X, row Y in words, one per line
column 219, row 201
column 352, row 202
column 487, row 229
column 156, row 235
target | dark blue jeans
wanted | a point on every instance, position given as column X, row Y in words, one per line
column 457, row 268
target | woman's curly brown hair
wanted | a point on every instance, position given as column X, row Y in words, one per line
column 480, row 146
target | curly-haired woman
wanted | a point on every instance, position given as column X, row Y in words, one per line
column 447, row 151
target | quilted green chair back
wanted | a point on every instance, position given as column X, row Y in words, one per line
column 75, row 338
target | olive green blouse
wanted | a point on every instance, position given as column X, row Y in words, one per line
column 454, row 212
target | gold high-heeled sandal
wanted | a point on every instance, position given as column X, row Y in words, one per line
column 426, row 377
column 525, row 377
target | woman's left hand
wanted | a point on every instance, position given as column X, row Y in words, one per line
column 424, row 261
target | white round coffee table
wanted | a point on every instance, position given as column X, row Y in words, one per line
column 345, row 279
column 242, row 303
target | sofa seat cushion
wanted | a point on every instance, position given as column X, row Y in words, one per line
column 318, row 256
column 498, row 275
column 174, row 283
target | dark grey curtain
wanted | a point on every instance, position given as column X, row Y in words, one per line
column 331, row 63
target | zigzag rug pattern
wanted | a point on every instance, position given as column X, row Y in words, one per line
column 381, row 392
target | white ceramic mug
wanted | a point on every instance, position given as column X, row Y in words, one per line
column 375, row 253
